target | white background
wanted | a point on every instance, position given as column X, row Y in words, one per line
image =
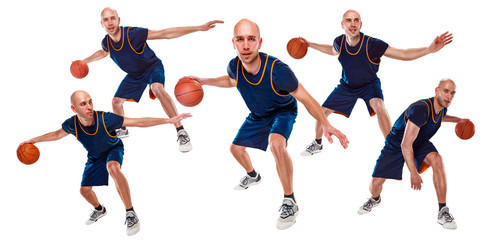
column 191, row 196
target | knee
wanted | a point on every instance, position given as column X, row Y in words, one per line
column 158, row 89
column 85, row 190
column 236, row 149
column 377, row 182
column 378, row 106
column 116, row 102
column 113, row 168
column 436, row 162
column 277, row 144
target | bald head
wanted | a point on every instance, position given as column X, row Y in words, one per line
column 77, row 96
column 350, row 13
column 110, row 11
column 444, row 81
column 246, row 26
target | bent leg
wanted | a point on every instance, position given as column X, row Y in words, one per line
column 242, row 156
column 383, row 118
column 166, row 101
column 114, row 169
column 375, row 186
column 284, row 164
column 90, row 196
column 117, row 105
column 435, row 160
column 318, row 127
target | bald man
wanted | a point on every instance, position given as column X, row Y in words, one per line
column 409, row 142
column 360, row 56
column 128, row 48
column 95, row 130
column 271, row 91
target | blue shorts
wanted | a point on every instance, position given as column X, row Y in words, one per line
column 96, row 173
column 255, row 131
column 132, row 87
column 342, row 99
column 391, row 160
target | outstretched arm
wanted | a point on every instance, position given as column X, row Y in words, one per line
column 52, row 136
column 410, row 134
column 315, row 110
column 223, row 81
column 149, row 122
column 175, row 32
column 324, row 48
column 414, row 53
column 100, row 54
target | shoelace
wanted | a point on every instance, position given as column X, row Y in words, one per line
column 244, row 180
column 130, row 221
column 287, row 210
column 95, row 214
column 312, row 147
column 368, row 205
column 183, row 138
column 448, row 217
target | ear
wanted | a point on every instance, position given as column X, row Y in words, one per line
column 260, row 43
column 436, row 91
column 73, row 108
column 233, row 43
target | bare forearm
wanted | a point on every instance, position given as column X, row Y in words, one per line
column 100, row 54
column 48, row 137
column 408, row 154
column 449, row 118
column 170, row 33
column 407, row 54
column 223, row 81
column 324, row 48
column 144, row 122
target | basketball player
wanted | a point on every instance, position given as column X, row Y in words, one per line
column 270, row 90
column 409, row 142
column 128, row 48
column 360, row 56
column 96, row 131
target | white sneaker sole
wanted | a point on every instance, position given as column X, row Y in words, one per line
column 285, row 224
column 89, row 221
column 307, row 154
column 134, row 229
column 240, row 188
column 362, row 211
column 449, row 225
column 186, row 148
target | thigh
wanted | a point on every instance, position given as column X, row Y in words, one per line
column 253, row 133
column 131, row 89
column 373, row 91
column 421, row 151
column 389, row 164
column 283, row 123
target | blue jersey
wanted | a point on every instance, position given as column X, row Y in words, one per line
column 360, row 63
column 269, row 90
column 98, row 139
column 422, row 114
column 132, row 53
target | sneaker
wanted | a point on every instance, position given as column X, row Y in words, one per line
column 446, row 219
column 248, row 181
column 95, row 215
column 312, row 148
column 289, row 211
column 122, row 132
column 367, row 207
column 132, row 222
column 184, row 141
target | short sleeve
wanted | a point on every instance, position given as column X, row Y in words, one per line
column 104, row 44
column 337, row 42
column 232, row 68
column 68, row 126
column 417, row 113
column 112, row 121
column 377, row 48
column 138, row 37
column 283, row 78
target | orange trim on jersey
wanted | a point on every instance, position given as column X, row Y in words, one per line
column 263, row 71
column 75, row 128
column 128, row 40
column 123, row 40
column 405, row 122
column 91, row 134
column 432, row 110
column 236, row 80
column 272, row 85
column 367, row 52
column 361, row 43
column 103, row 119
column 341, row 45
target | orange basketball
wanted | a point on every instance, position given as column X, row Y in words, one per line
column 465, row 129
column 79, row 69
column 188, row 92
column 297, row 48
column 28, row 153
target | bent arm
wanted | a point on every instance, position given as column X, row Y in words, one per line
column 449, row 118
column 176, row 32
column 100, row 54
column 51, row 136
column 410, row 135
column 149, row 122
column 314, row 108
column 223, row 81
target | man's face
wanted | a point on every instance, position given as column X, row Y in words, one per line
column 445, row 93
column 352, row 23
column 83, row 105
column 247, row 41
column 110, row 21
